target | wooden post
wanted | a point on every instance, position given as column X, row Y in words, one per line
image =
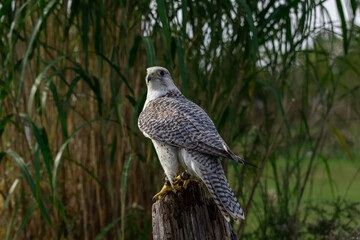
column 189, row 214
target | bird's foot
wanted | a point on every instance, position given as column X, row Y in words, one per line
column 182, row 180
column 166, row 188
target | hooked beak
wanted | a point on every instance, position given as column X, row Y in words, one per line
column 150, row 76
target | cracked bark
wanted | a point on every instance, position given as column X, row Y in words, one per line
column 189, row 214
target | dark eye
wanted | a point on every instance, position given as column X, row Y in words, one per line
column 162, row 73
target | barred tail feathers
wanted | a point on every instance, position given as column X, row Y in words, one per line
column 209, row 170
column 222, row 194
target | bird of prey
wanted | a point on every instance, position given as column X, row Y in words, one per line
column 184, row 136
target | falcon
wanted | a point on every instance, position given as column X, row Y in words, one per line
column 185, row 137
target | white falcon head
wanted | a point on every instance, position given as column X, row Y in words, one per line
column 158, row 77
column 159, row 82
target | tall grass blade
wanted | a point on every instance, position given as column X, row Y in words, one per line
column 238, row 175
column 98, row 36
column 91, row 174
column 146, row 230
column 180, row 52
column 85, row 30
column 30, row 43
column 343, row 25
column 37, row 171
column 278, row 99
column 12, row 220
column 29, row 179
column 138, row 107
column 124, row 181
column 184, row 17
column 57, row 160
column 25, row 219
column 117, row 70
column 74, row 10
column 328, row 172
column 107, row 228
column 250, row 21
column 94, row 84
column 342, row 142
column 113, row 149
column 18, row 16
column 162, row 14
column 24, row 169
column 150, row 51
column 37, row 82
column 3, row 121
column 60, row 109
column 7, row 200
column 133, row 51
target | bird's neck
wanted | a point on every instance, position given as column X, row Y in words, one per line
column 160, row 92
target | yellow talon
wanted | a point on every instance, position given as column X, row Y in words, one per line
column 177, row 180
column 182, row 180
column 185, row 183
column 166, row 188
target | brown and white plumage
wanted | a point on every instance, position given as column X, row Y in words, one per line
column 184, row 135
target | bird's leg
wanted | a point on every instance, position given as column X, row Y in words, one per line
column 182, row 180
column 166, row 188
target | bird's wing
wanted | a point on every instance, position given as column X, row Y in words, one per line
column 180, row 122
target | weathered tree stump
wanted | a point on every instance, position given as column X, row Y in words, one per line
column 189, row 214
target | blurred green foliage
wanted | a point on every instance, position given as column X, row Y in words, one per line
column 279, row 78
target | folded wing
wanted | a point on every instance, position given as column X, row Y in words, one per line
column 180, row 122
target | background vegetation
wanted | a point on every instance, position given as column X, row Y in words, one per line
column 280, row 80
